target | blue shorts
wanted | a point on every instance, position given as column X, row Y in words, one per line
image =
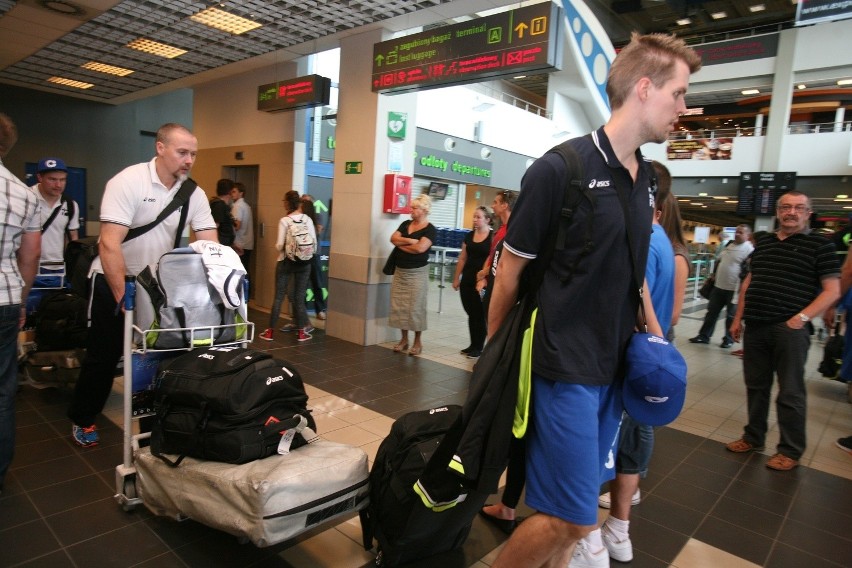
column 635, row 445
column 571, row 447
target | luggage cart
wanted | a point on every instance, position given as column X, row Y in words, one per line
column 140, row 362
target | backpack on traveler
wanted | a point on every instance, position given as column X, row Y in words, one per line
column 299, row 244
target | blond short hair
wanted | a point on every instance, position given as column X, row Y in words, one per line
column 653, row 56
column 422, row 201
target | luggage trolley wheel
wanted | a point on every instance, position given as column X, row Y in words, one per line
column 128, row 494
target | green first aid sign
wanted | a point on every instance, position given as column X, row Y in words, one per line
column 396, row 124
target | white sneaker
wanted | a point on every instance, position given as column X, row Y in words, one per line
column 605, row 501
column 583, row 557
column 621, row 550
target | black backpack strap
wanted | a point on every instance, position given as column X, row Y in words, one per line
column 575, row 191
column 181, row 198
column 62, row 199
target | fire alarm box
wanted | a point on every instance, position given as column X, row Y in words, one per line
column 397, row 193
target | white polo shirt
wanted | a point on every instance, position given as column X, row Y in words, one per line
column 244, row 237
column 53, row 239
column 134, row 198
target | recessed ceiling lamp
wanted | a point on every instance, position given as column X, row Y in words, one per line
column 751, row 92
column 155, row 48
column 719, row 15
column 801, row 86
column 520, row 77
column 731, row 201
column 844, row 82
column 104, row 68
column 683, row 22
column 842, row 196
column 70, row 83
column 757, row 8
column 225, row 21
column 62, row 7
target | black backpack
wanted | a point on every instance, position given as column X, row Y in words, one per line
column 79, row 255
column 395, row 517
column 61, row 322
column 228, row 404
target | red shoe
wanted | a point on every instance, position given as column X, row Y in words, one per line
column 266, row 335
column 303, row 335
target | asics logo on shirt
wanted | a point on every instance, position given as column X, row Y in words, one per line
column 596, row 184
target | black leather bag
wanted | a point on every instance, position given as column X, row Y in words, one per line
column 707, row 288
column 390, row 264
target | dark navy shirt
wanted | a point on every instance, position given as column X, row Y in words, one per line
column 584, row 324
column 786, row 276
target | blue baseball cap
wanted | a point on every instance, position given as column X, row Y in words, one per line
column 655, row 383
column 51, row 165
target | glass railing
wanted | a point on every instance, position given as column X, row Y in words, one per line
column 813, row 128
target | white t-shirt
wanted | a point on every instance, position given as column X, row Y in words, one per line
column 244, row 237
column 53, row 239
column 730, row 263
column 134, row 198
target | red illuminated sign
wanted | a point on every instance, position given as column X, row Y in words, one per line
column 517, row 41
column 292, row 94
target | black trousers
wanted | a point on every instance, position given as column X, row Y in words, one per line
column 104, row 347
column 472, row 304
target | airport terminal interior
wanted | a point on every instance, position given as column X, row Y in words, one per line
column 701, row 506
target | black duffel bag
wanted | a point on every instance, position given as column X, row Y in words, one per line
column 228, row 404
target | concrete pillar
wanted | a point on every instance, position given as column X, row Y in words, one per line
column 358, row 291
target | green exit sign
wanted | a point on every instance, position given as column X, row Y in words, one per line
column 354, row 167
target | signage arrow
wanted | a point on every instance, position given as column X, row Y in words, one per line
column 521, row 28
column 379, row 59
column 320, row 206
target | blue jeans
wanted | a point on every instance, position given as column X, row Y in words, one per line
column 8, row 383
column 635, row 445
column 301, row 272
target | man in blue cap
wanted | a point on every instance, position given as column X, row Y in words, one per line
column 60, row 216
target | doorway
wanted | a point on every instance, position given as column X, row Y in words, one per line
column 248, row 176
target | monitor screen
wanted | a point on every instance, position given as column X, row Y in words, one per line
column 438, row 190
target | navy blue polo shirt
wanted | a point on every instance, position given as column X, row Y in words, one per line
column 584, row 324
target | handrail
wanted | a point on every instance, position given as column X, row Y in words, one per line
column 810, row 128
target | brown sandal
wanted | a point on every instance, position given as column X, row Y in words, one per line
column 400, row 347
column 741, row 446
column 416, row 350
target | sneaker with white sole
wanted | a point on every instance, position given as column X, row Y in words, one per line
column 85, row 437
column 605, row 501
column 266, row 335
column 620, row 550
column 584, row 558
column 304, row 335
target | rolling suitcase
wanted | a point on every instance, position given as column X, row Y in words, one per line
column 266, row 501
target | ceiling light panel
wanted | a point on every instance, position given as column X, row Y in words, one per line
column 224, row 21
column 156, row 48
column 104, row 68
column 70, row 83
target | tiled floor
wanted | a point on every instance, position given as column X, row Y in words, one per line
column 702, row 507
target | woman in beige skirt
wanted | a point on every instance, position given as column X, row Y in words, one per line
column 409, row 288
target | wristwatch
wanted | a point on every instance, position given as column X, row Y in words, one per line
column 804, row 317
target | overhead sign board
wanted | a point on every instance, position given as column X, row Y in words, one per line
column 516, row 41
column 293, row 94
column 759, row 191
column 816, row 11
